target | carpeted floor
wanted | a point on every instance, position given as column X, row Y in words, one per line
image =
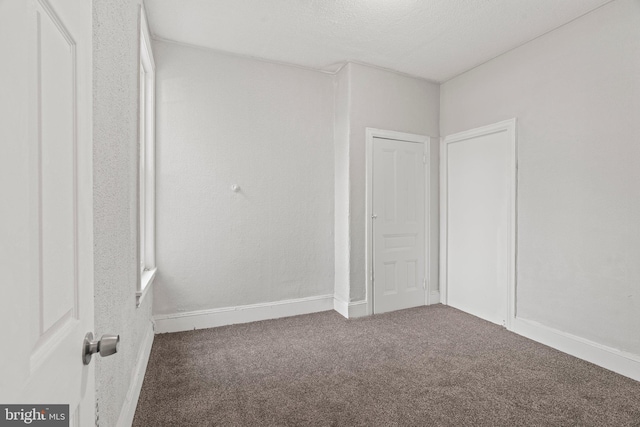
column 427, row 366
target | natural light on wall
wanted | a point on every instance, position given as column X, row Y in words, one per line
column 147, row 161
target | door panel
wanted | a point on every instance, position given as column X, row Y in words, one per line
column 398, row 227
column 56, row 146
column 47, row 221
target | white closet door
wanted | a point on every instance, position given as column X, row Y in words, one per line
column 479, row 206
column 398, row 227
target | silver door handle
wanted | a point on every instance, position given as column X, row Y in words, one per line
column 107, row 345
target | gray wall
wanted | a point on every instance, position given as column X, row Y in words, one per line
column 342, row 101
column 576, row 95
column 115, row 139
column 224, row 120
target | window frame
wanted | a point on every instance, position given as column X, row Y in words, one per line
column 146, row 176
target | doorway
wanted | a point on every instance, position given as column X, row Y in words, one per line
column 478, row 188
column 398, row 220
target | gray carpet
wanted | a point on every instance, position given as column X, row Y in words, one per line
column 428, row 366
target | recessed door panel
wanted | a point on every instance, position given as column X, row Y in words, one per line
column 56, row 158
column 389, row 167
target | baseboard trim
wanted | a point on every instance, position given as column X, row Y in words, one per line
column 202, row 319
column 434, row 297
column 128, row 410
column 358, row 309
column 350, row 310
column 341, row 307
column 623, row 363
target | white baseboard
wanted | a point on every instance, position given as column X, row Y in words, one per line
column 350, row 310
column 242, row 314
column 434, row 297
column 131, row 401
column 341, row 307
column 358, row 309
column 623, row 363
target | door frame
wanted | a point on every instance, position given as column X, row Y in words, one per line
column 508, row 126
column 372, row 133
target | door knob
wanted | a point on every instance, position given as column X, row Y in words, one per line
column 106, row 346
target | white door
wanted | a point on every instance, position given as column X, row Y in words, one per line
column 479, row 206
column 46, row 229
column 398, row 224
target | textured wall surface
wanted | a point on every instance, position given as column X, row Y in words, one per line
column 115, row 138
column 225, row 120
column 386, row 100
column 576, row 95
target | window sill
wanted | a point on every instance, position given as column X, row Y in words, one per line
column 146, row 279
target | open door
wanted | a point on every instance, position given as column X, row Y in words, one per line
column 46, row 226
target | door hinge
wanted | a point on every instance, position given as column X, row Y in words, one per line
column 424, row 159
column 424, row 284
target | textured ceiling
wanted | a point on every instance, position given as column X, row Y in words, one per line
column 433, row 39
